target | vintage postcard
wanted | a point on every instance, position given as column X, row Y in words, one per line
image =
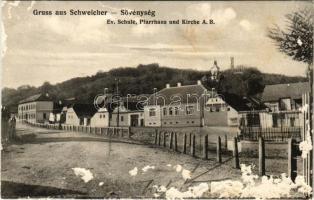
column 157, row 99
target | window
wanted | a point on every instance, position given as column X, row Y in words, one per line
column 189, row 110
column 170, row 111
column 122, row 118
column 104, row 116
column 100, row 116
column 176, row 111
column 152, row 112
column 165, row 111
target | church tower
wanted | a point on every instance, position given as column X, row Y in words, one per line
column 215, row 71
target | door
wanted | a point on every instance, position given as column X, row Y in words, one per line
column 134, row 120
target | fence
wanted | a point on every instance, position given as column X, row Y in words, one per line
column 196, row 145
column 271, row 134
column 108, row 131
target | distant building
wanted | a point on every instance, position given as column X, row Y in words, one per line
column 285, row 101
column 176, row 106
column 36, row 108
column 129, row 113
column 233, row 110
column 215, row 71
column 285, row 97
column 80, row 114
column 101, row 118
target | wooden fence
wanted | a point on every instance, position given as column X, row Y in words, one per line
column 271, row 134
column 192, row 144
column 106, row 131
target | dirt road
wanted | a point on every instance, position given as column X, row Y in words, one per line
column 40, row 165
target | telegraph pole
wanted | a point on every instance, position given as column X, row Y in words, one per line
column 117, row 88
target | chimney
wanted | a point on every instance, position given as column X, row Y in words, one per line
column 232, row 62
column 199, row 82
column 179, row 84
column 167, row 85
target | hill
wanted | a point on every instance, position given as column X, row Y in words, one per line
column 142, row 80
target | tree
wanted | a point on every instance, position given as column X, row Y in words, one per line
column 296, row 40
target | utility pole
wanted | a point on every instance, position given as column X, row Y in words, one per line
column 117, row 88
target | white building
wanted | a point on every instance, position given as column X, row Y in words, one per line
column 36, row 108
column 101, row 118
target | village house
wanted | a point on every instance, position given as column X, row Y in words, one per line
column 284, row 101
column 176, row 106
column 233, row 110
column 101, row 118
column 36, row 108
column 129, row 113
column 80, row 114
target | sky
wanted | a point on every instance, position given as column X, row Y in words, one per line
column 38, row 48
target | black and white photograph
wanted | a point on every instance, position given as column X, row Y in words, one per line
column 156, row 99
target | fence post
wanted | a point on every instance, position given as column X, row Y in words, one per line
column 164, row 139
column 226, row 142
column 219, row 149
column 193, row 145
column 292, row 162
column 171, row 140
column 129, row 132
column 205, row 147
column 184, row 143
column 156, row 134
column 159, row 138
column 261, row 156
column 236, row 153
column 175, row 141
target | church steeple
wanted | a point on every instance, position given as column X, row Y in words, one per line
column 215, row 70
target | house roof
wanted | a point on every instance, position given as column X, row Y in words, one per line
column 132, row 106
column 84, row 110
column 36, row 97
column 290, row 90
column 240, row 103
column 183, row 94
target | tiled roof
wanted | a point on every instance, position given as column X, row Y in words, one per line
column 84, row 110
column 292, row 90
column 36, row 97
column 186, row 94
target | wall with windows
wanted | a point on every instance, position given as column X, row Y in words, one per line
column 181, row 115
column 72, row 119
column 100, row 119
column 35, row 111
column 152, row 116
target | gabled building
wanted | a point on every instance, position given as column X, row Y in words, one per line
column 36, row 108
column 233, row 110
column 285, row 101
column 285, row 97
column 101, row 118
column 176, row 106
column 80, row 114
column 128, row 113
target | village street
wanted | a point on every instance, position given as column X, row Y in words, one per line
column 41, row 165
column 44, row 159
